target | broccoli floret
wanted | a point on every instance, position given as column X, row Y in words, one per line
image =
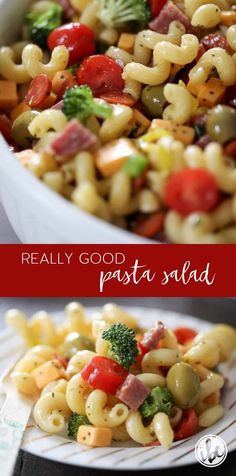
column 75, row 422
column 123, row 345
column 116, row 13
column 159, row 400
column 79, row 102
column 41, row 24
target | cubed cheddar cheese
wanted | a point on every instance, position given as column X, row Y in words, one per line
column 110, row 158
column 228, row 17
column 194, row 88
column 18, row 110
column 175, row 68
column 8, row 95
column 184, row 134
column 139, row 124
column 211, row 93
column 126, row 42
column 45, row 373
column 93, row 436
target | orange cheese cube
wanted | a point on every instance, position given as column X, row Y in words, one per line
column 110, row 158
column 93, row 436
column 175, row 68
column 126, row 42
column 228, row 18
column 194, row 88
column 18, row 110
column 211, row 93
column 45, row 373
column 184, row 134
column 140, row 123
column 8, row 95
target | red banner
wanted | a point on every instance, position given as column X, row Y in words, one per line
column 118, row 271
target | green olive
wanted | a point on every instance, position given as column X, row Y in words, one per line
column 153, row 100
column 221, row 123
column 74, row 342
column 184, row 384
column 20, row 131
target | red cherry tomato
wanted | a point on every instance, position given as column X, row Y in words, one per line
column 117, row 97
column 214, row 40
column 191, row 190
column 187, row 425
column 5, row 127
column 148, row 227
column 104, row 374
column 38, row 91
column 78, row 39
column 142, row 351
column 156, row 6
column 101, row 73
column 183, row 334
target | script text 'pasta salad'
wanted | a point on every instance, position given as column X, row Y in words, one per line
column 127, row 108
column 105, row 379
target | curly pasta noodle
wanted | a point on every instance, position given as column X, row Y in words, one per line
column 115, row 125
column 160, row 357
column 77, row 393
column 32, row 57
column 182, row 103
column 164, row 54
column 51, row 412
column 102, row 416
column 206, row 16
column 190, row 6
column 78, row 362
column 216, row 58
column 47, row 120
column 9, row 69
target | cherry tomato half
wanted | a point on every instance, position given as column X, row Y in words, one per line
column 187, row 425
column 183, row 334
column 101, row 73
column 191, row 190
column 156, row 6
column 104, row 374
column 148, row 227
column 78, row 39
column 38, row 92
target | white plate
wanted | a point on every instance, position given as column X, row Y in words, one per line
column 123, row 456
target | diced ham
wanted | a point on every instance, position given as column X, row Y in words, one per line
column 153, row 336
column 58, row 105
column 68, row 10
column 169, row 13
column 132, row 392
column 73, row 139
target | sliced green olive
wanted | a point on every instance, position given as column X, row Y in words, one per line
column 221, row 123
column 153, row 100
column 20, row 132
column 184, row 384
column 75, row 342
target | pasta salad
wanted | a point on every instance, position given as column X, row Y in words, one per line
column 105, row 379
column 127, row 108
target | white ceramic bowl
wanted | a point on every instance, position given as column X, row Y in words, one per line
column 37, row 214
